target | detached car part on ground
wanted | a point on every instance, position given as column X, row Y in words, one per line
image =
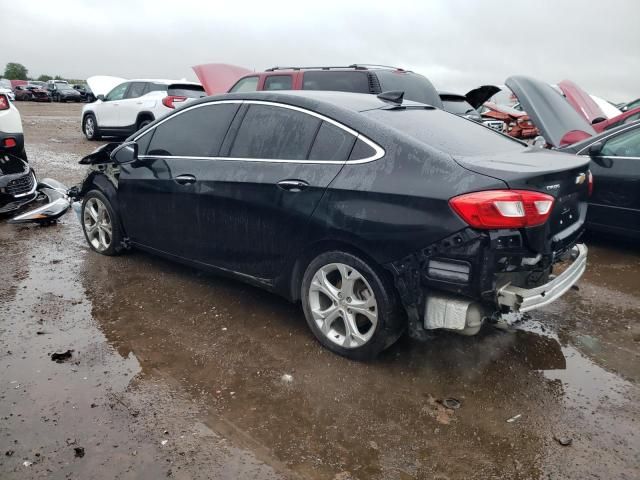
column 614, row 154
column 378, row 215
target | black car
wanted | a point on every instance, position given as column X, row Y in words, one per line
column 378, row 215
column 85, row 92
column 614, row 206
column 62, row 92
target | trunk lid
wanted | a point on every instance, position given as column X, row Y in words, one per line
column 218, row 77
column 478, row 96
column 558, row 122
column 565, row 177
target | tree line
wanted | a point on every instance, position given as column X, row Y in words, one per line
column 17, row 71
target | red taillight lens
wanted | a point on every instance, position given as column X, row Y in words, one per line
column 503, row 208
column 590, row 177
column 9, row 142
column 4, row 102
column 170, row 100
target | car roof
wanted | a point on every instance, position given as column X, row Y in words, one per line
column 163, row 81
column 344, row 68
column 356, row 102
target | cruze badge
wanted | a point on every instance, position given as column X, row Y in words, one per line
column 580, row 179
column 555, row 186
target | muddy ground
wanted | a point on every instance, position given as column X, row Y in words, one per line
column 179, row 374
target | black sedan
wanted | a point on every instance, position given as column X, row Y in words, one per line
column 62, row 92
column 378, row 215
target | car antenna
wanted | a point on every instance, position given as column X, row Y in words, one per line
column 394, row 96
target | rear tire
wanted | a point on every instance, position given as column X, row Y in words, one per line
column 143, row 123
column 351, row 307
column 100, row 224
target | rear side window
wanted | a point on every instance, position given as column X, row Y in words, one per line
column 331, row 143
column 350, row 81
column 137, row 89
column 195, row 133
column 185, row 90
column 275, row 133
column 157, row 87
column 361, row 151
column 278, row 82
column 445, row 132
column 247, row 84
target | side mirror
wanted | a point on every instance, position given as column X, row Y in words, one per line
column 100, row 97
column 595, row 149
column 125, row 153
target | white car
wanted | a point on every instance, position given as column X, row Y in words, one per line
column 125, row 106
column 11, row 136
column 5, row 88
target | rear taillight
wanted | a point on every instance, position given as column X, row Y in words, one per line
column 4, row 102
column 590, row 178
column 503, row 208
column 9, row 142
column 170, row 100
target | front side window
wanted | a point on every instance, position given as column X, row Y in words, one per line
column 247, row 84
column 278, row 82
column 271, row 132
column 624, row 145
column 197, row 132
column 136, row 89
column 117, row 93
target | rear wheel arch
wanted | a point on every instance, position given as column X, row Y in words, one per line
column 144, row 118
column 302, row 261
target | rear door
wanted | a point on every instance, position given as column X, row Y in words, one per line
column 131, row 104
column 616, row 171
column 160, row 192
column 258, row 196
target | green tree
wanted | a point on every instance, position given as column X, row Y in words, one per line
column 15, row 71
column 58, row 77
column 44, row 78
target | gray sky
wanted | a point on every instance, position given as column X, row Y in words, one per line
column 457, row 44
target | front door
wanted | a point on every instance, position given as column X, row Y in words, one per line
column 159, row 192
column 616, row 171
column 108, row 111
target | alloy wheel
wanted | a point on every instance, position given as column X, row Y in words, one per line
column 89, row 127
column 97, row 224
column 343, row 305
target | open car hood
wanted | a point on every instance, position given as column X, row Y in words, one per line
column 103, row 84
column 558, row 122
column 581, row 101
column 218, row 77
column 478, row 96
column 609, row 110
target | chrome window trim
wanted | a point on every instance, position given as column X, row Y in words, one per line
column 619, row 132
column 379, row 151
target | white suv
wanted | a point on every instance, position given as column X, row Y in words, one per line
column 132, row 104
column 11, row 136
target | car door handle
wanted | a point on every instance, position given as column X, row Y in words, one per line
column 293, row 185
column 185, row 179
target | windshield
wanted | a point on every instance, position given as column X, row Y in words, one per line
column 445, row 131
column 415, row 87
column 459, row 107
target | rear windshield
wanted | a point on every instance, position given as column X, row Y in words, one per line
column 445, row 131
column 415, row 87
column 350, row 81
column 190, row 91
column 460, row 107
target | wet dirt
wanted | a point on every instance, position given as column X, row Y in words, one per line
column 183, row 374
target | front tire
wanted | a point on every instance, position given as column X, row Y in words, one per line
column 90, row 127
column 351, row 307
column 100, row 224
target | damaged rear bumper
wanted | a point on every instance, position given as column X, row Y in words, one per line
column 522, row 300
